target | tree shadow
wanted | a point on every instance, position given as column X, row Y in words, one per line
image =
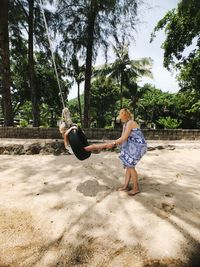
column 35, row 178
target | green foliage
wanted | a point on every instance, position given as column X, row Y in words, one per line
column 183, row 106
column 152, row 104
column 47, row 84
column 189, row 77
column 182, row 29
column 48, row 114
column 169, row 123
column 195, row 108
column 104, row 96
column 74, row 21
column 74, row 109
column 23, row 123
column 19, row 72
column 24, row 112
column 177, row 110
column 181, row 26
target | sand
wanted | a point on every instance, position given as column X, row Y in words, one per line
column 59, row 211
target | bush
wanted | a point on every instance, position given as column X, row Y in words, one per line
column 169, row 123
column 23, row 123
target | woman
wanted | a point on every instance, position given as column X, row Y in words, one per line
column 133, row 147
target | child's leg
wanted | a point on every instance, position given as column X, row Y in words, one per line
column 127, row 180
column 95, row 147
column 134, row 177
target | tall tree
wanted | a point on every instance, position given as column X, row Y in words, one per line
column 93, row 11
column 34, row 94
column 89, row 24
column 5, row 63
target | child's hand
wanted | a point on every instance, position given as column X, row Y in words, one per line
column 69, row 130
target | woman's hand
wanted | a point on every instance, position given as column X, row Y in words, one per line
column 110, row 145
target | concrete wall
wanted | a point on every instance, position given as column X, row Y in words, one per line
column 97, row 134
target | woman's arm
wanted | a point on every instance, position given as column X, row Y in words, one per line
column 126, row 132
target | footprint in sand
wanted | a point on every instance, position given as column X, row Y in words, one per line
column 167, row 207
column 168, row 194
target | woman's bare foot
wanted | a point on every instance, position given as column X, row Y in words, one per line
column 123, row 188
column 133, row 192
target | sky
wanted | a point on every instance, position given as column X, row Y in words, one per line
column 149, row 15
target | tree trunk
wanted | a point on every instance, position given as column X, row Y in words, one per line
column 5, row 64
column 79, row 105
column 34, row 95
column 89, row 55
column 134, row 106
column 121, row 92
column 121, row 88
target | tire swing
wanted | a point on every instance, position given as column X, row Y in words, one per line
column 78, row 141
column 76, row 137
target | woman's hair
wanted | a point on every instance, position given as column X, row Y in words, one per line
column 126, row 112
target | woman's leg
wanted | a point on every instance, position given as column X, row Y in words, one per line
column 127, row 180
column 134, row 177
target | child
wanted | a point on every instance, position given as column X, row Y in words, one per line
column 64, row 131
column 66, row 126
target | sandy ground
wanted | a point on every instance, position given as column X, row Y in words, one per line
column 59, row 211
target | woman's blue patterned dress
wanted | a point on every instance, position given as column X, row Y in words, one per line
column 133, row 149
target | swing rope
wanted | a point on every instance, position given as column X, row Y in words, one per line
column 52, row 54
column 65, row 118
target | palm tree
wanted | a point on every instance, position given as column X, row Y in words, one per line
column 5, row 64
column 125, row 70
column 134, row 93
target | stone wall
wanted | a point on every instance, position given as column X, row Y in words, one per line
column 97, row 134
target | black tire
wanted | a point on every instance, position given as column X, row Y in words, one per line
column 78, row 141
